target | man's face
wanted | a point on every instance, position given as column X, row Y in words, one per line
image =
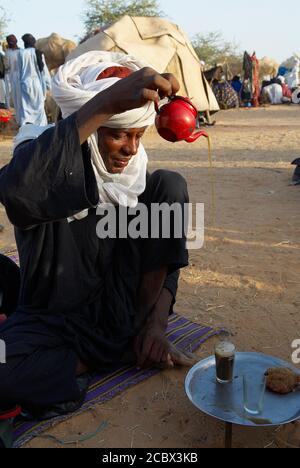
column 118, row 146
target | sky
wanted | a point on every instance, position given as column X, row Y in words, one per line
column 268, row 27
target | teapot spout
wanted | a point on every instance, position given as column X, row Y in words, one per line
column 196, row 135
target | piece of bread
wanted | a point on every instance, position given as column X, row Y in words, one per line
column 282, row 380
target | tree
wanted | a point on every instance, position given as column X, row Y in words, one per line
column 213, row 49
column 102, row 13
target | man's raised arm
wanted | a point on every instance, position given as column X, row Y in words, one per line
column 130, row 93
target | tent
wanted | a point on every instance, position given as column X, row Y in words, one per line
column 160, row 44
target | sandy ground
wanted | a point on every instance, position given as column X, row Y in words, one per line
column 245, row 277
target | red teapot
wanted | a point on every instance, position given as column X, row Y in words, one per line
column 177, row 120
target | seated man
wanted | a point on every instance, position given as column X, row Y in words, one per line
column 88, row 302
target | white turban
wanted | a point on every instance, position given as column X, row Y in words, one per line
column 73, row 86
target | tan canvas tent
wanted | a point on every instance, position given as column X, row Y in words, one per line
column 162, row 45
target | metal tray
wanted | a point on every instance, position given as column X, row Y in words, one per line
column 225, row 402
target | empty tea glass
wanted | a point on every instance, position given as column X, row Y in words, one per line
column 254, row 393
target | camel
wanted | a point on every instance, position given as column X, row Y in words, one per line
column 56, row 49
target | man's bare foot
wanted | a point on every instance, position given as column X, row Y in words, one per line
column 179, row 357
column 152, row 348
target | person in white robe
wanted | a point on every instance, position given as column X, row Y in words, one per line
column 274, row 93
column 34, row 81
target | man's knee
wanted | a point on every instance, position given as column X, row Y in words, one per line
column 171, row 185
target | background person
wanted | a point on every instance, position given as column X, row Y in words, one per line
column 34, row 81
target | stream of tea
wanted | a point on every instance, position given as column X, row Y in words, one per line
column 212, row 182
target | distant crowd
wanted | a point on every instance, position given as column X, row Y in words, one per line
column 24, row 80
column 249, row 90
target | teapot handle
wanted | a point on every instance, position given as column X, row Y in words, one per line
column 157, row 108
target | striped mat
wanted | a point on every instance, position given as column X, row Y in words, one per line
column 185, row 334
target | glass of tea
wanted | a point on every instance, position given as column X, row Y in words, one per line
column 225, row 358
